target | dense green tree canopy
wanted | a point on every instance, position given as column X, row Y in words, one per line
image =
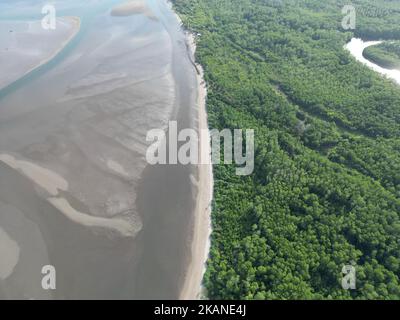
column 385, row 54
column 326, row 186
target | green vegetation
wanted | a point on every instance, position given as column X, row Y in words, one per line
column 386, row 54
column 326, row 186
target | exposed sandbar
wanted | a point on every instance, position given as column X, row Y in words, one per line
column 53, row 183
column 47, row 179
column 192, row 287
column 121, row 226
column 131, row 8
column 9, row 255
column 25, row 46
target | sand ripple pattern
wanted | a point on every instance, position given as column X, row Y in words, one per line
column 85, row 150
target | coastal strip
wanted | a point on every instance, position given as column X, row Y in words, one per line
column 192, row 288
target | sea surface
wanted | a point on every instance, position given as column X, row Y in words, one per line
column 84, row 116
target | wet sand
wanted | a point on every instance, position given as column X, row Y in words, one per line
column 47, row 179
column 9, row 253
column 73, row 143
column 52, row 183
column 192, row 287
column 133, row 7
column 201, row 229
column 17, row 58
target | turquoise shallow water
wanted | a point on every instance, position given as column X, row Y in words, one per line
column 27, row 10
column 31, row 9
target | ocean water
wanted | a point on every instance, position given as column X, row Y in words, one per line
column 92, row 105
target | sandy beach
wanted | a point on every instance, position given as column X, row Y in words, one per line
column 192, row 288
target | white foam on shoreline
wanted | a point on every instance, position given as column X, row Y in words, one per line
column 357, row 46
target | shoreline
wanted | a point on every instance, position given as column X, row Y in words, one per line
column 76, row 26
column 192, row 288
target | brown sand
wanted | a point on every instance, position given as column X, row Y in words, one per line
column 52, row 182
column 76, row 25
column 47, row 179
column 132, row 7
column 192, row 288
column 9, row 253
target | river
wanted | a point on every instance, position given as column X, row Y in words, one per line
column 357, row 46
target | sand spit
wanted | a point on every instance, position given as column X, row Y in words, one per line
column 53, row 183
column 48, row 180
column 123, row 227
column 192, row 287
column 28, row 50
column 133, row 7
column 117, row 168
column 9, row 255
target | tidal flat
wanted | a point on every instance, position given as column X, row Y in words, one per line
column 76, row 191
